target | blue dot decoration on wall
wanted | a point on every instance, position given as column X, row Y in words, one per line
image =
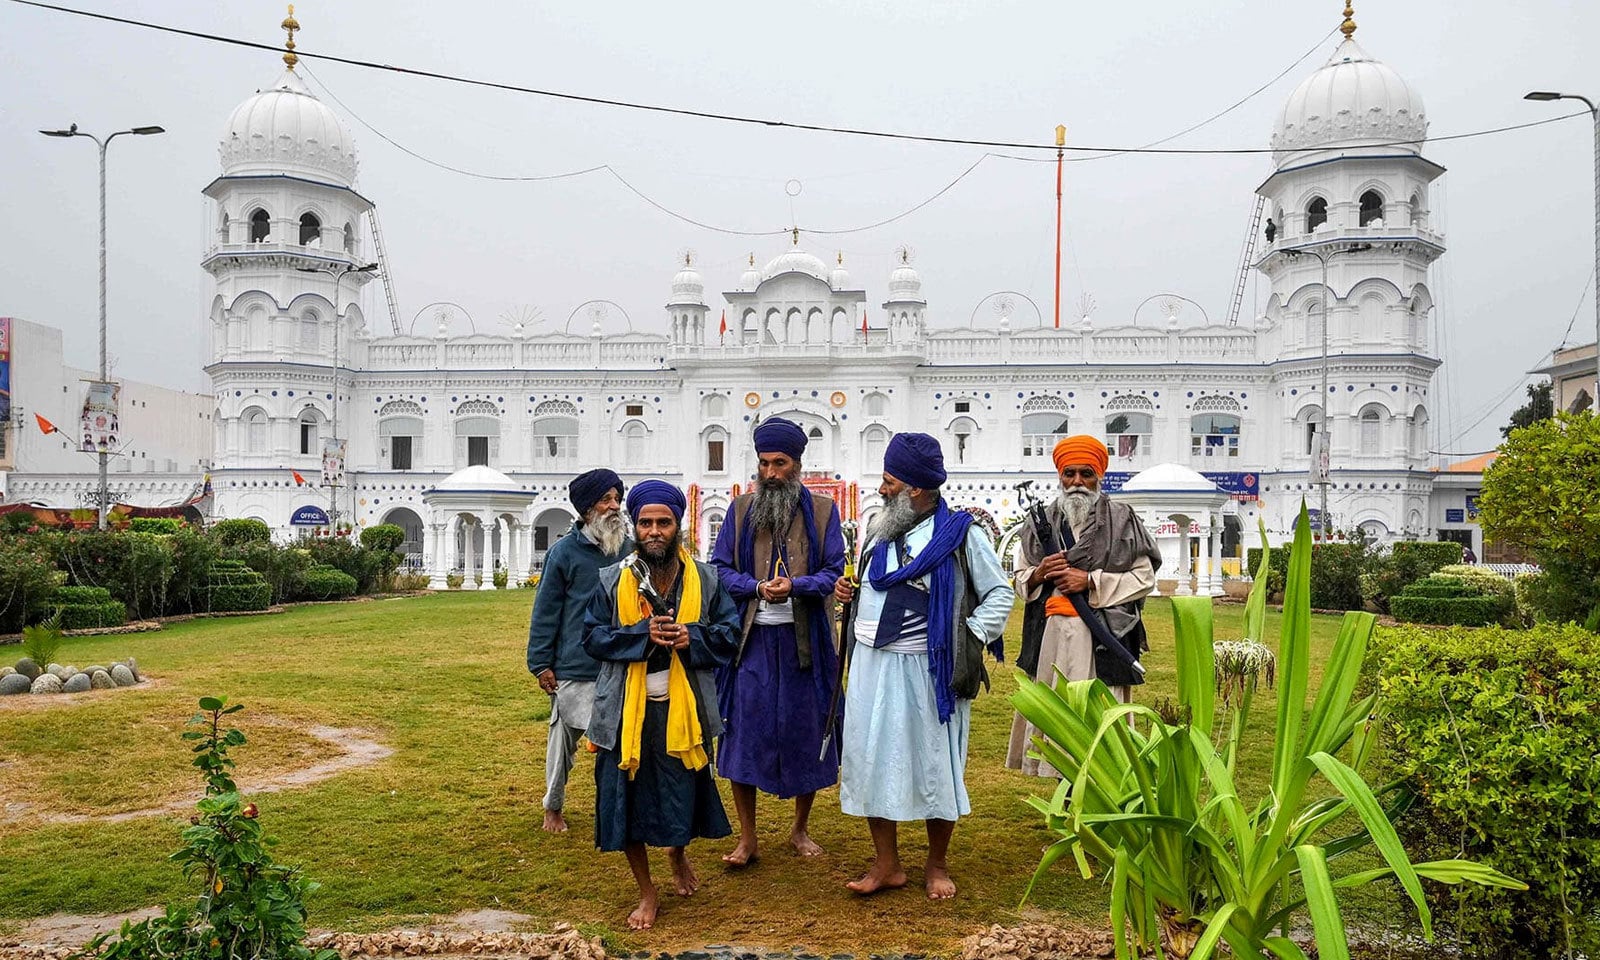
column 274, row 393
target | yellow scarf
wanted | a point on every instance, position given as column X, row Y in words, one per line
column 683, row 719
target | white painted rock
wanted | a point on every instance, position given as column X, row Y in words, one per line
column 47, row 683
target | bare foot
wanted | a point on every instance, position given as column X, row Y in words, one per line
column 804, row 845
column 554, row 822
column 938, row 882
column 682, row 872
column 741, row 856
column 875, row 879
column 644, row 916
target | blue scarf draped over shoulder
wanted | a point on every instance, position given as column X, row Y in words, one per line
column 939, row 558
column 747, row 539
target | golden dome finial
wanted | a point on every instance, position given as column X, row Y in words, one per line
column 290, row 24
column 1348, row 28
column 796, row 232
column 752, row 259
column 841, row 258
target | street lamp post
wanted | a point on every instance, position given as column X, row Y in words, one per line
column 339, row 272
column 1325, row 438
column 1594, row 112
column 102, row 495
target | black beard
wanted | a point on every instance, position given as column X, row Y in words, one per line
column 776, row 502
column 662, row 557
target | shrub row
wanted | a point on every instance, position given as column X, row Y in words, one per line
column 321, row 582
column 1473, row 600
column 1494, row 733
column 1349, row 574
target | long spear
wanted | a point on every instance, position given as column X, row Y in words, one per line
column 849, row 529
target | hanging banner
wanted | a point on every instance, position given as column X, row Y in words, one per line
column 332, row 462
column 1239, row 486
column 101, row 429
column 1319, row 457
column 9, row 432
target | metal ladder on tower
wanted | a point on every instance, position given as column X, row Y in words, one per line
column 383, row 269
column 1246, row 261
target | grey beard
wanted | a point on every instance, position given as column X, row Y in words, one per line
column 607, row 531
column 1076, row 504
column 774, row 508
column 895, row 520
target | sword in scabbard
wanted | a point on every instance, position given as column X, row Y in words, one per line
column 848, row 528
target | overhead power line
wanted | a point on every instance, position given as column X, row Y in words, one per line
column 732, row 118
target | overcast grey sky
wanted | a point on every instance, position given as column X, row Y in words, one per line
column 1516, row 208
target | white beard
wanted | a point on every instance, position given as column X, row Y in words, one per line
column 1076, row 504
column 896, row 519
column 608, row 531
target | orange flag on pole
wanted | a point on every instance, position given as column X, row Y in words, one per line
column 299, row 481
column 45, row 426
column 722, row 331
column 863, row 322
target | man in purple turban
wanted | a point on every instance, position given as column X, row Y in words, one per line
column 933, row 598
column 780, row 564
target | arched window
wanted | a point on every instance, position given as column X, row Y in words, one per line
column 1128, row 435
column 1371, row 421
column 1214, row 427
column 1371, row 208
column 875, row 405
column 874, row 443
column 1371, row 314
column 255, row 430
column 310, row 230
column 1315, row 321
column 716, row 451
column 713, row 529
column 1419, row 432
column 1044, row 421
column 222, row 228
column 1316, row 214
column 555, row 442
column 962, row 430
column 634, row 435
column 310, row 432
column 349, row 238
column 716, row 407
column 399, row 433
column 477, row 433
column 1309, row 422
column 1419, row 216
column 310, row 332
column 260, row 226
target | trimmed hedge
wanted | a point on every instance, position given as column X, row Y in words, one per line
column 233, row 586
column 322, row 582
column 240, row 530
column 1447, row 611
column 1335, row 573
column 1427, row 554
column 1494, row 732
column 83, row 608
column 155, row 525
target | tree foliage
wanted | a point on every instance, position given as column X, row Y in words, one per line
column 1539, row 407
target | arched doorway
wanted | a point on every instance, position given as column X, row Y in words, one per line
column 409, row 521
column 549, row 526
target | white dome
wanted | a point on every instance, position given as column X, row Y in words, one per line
column 285, row 129
column 795, row 261
column 477, row 479
column 1168, row 478
column 1353, row 100
column 688, row 286
column 905, row 283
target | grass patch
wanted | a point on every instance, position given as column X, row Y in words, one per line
column 450, row 822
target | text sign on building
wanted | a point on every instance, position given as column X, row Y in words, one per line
column 309, row 515
column 1239, row 486
column 1455, row 515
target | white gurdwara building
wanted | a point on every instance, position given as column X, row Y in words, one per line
column 468, row 439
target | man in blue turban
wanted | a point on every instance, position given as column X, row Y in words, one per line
column 780, row 564
column 555, row 632
column 660, row 624
column 933, row 598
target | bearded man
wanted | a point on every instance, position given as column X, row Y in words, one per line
column 780, row 566
column 660, row 624
column 555, row 632
column 934, row 597
column 1105, row 554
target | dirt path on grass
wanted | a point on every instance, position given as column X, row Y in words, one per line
column 357, row 748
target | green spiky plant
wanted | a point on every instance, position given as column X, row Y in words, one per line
column 1192, row 862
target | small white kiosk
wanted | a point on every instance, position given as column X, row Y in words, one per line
column 1177, row 503
column 477, row 521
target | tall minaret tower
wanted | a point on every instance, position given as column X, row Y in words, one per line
column 1349, row 280
column 287, row 234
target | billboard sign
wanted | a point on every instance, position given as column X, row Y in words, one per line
column 101, row 428
column 332, row 462
column 1239, row 486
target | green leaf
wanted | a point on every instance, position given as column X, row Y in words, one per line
column 1284, row 949
column 1208, row 940
column 1255, row 608
column 1443, row 871
column 210, row 704
column 1339, row 681
column 1294, row 646
column 1322, row 904
column 1197, row 684
column 1349, row 783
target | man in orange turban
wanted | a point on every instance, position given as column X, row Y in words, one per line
column 1104, row 554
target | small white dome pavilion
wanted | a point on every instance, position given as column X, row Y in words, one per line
column 1177, row 503
column 478, row 521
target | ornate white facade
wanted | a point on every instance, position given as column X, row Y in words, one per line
column 1237, row 402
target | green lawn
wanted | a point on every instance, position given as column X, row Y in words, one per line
column 450, row 821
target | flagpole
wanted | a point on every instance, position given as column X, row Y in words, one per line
column 1061, row 142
